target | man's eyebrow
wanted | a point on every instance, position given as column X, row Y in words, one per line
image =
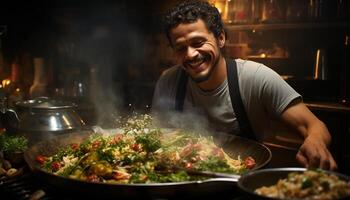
column 196, row 38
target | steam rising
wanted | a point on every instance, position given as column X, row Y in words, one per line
column 186, row 121
column 103, row 44
column 108, row 46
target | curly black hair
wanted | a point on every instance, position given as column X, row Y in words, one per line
column 191, row 11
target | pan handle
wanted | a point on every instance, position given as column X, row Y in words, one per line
column 233, row 179
column 213, row 174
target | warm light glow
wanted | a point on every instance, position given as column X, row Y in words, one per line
column 317, row 64
column 222, row 6
column 263, row 55
column 66, row 120
column 18, row 89
column 218, row 5
column 6, row 82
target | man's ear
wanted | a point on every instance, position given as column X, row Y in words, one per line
column 222, row 39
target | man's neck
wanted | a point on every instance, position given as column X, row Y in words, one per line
column 217, row 77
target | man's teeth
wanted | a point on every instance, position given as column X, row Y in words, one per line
column 195, row 63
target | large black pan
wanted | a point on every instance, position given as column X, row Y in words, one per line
column 265, row 177
column 233, row 145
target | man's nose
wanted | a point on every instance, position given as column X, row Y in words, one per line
column 191, row 53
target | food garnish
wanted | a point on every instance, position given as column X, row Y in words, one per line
column 13, row 143
column 141, row 153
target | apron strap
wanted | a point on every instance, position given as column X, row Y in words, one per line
column 181, row 90
column 235, row 95
column 236, row 100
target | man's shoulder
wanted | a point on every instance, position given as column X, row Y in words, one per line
column 170, row 75
column 171, row 71
column 248, row 67
column 248, row 64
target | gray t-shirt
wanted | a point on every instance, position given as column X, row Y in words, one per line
column 264, row 93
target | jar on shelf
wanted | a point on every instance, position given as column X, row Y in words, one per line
column 296, row 10
column 273, row 11
column 256, row 11
column 323, row 10
column 239, row 11
column 38, row 89
column 14, row 89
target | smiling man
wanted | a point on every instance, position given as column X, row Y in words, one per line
column 233, row 95
column 199, row 51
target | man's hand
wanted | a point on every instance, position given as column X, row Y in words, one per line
column 314, row 150
column 314, row 153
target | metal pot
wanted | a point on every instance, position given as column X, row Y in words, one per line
column 42, row 115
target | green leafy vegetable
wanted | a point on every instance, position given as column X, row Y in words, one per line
column 306, row 183
column 13, row 143
column 150, row 141
column 214, row 164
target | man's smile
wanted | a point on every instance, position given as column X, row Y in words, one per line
column 196, row 64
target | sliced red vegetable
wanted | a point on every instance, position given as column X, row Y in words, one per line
column 55, row 166
column 218, row 152
column 189, row 149
column 188, row 165
column 74, row 146
column 249, row 162
column 93, row 178
column 96, row 144
column 120, row 175
column 41, row 159
column 136, row 147
column 117, row 138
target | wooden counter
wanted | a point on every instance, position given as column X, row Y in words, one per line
column 328, row 106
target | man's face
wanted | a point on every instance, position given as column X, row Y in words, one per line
column 197, row 49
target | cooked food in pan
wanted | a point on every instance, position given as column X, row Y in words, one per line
column 142, row 153
column 310, row 184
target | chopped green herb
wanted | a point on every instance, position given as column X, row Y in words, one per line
column 13, row 143
column 306, row 183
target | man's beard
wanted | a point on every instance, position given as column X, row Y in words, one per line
column 207, row 76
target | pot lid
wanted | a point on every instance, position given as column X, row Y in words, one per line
column 45, row 103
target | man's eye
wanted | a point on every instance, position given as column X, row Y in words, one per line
column 198, row 44
column 180, row 49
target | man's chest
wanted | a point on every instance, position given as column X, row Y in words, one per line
column 216, row 107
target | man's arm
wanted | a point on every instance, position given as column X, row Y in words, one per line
column 314, row 150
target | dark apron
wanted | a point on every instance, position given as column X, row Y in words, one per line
column 236, row 100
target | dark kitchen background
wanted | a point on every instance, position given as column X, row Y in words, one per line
column 107, row 55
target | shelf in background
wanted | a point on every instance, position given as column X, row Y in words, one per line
column 264, row 56
column 328, row 106
column 276, row 26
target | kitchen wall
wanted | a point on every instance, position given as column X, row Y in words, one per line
column 111, row 52
column 114, row 49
